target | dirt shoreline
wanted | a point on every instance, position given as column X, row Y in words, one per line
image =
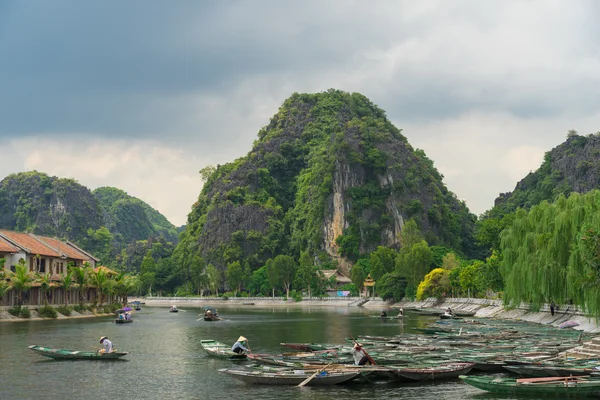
column 5, row 316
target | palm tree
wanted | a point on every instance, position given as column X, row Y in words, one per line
column 4, row 288
column 125, row 284
column 81, row 279
column 67, row 282
column 44, row 281
column 21, row 280
column 100, row 281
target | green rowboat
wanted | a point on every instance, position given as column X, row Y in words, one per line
column 221, row 350
column 561, row 387
column 64, row 354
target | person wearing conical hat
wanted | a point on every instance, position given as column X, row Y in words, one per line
column 108, row 346
column 238, row 347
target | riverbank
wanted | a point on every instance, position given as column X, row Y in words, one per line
column 5, row 316
column 483, row 308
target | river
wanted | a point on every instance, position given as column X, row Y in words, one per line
column 166, row 360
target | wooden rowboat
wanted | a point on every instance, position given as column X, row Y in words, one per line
column 294, row 377
column 64, row 354
column 221, row 350
column 439, row 372
column 562, row 387
column 123, row 321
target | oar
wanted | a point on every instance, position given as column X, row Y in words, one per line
column 310, row 378
column 364, row 351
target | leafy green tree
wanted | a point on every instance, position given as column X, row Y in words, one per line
column 307, row 275
column 273, row 275
column 358, row 274
column 197, row 274
column 489, row 274
column 435, row 284
column 259, row 283
column 234, row 275
column 392, row 286
column 414, row 264
column 542, row 255
column 214, row 278
column 148, row 272
column 286, row 267
column 469, row 276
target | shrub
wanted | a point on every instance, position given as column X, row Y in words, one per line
column 296, row 295
column 80, row 307
column 15, row 311
column 47, row 312
column 64, row 310
column 18, row 311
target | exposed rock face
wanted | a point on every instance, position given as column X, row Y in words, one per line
column 329, row 174
column 573, row 166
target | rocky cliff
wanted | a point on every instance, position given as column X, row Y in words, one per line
column 330, row 174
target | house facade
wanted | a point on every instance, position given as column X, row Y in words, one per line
column 42, row 255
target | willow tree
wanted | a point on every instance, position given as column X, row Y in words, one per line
column 543, row 253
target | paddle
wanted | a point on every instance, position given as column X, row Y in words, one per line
column 310, row 378
column 364, row 351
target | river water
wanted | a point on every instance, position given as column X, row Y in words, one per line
column 166, row 360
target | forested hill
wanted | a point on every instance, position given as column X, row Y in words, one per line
column 573, row 166
column 103, row 222
column 131, row 218
column 329, row 174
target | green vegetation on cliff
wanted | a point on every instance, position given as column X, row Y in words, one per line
column 329, row 175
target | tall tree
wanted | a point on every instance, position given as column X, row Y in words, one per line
column 234, row 275
column 286, row 267
column 214, row 278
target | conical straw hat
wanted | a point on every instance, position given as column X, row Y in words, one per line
column 242, row 339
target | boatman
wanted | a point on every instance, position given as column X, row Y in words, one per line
column 108, row 346
column 238, row 347
column 359, row 355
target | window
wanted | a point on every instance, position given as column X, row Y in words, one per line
column 42, row 265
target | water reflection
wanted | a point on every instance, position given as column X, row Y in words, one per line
column 166, row 360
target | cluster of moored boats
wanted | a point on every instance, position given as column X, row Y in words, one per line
column 449, row 349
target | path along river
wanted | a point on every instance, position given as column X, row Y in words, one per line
column 166, row 360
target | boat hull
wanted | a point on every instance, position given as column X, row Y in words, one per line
column 65, row 354
column 435, row 373
column 220, row 350
column 290, row 378
column 123, row 321
column 557, row 388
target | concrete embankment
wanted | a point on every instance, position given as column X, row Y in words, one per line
column 261, row 302
column 494, row 309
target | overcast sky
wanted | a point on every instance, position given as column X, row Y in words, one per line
column 141, row 95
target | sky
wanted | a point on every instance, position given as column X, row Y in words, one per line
column 141, row 95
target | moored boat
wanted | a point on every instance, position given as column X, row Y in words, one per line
column 439, row 372
column 65, row 354
column 294, row 377
column 123, row 321
column 220, row 350
column 568, row 386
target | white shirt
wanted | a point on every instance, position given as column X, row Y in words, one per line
column 357, row 355
column 107, row 345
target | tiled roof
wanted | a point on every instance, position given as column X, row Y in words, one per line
column 33, row 245
column 328, row 273
column 62, row 248
column 6, row 247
